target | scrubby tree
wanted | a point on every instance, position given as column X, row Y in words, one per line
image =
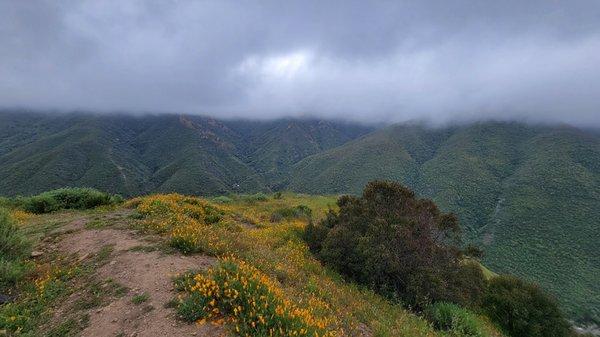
column 397, row 244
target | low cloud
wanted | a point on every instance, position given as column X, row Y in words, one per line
column 390, row 61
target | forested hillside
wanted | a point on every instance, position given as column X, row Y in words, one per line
column 529, row 194
column 133, row 155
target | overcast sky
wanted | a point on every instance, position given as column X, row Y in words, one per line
column 361, row 60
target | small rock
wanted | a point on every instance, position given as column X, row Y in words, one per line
column 5, row 299
column 36, row 253
column 112, row 262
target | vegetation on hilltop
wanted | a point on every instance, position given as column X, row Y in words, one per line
column 523, row 193
column 400, row 245
column 268, row 283
column 403, row 247
column 66, row 198
column 523, row 309
column 278, row 269
column 34, row 283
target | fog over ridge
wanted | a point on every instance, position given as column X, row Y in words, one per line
column 437, row 61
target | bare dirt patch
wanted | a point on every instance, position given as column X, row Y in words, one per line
column 147, row 275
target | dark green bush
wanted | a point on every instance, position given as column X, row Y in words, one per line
column 250, row 198
column 458, row 321
column 222, row 199
column 67, row 198
column 397, row 244
column 315, row 235
column 523, row 309
column 468, row 283
column 297, row 212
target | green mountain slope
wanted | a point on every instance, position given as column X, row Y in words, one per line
column 155, row 153
column 530, row 195
column 273, row 147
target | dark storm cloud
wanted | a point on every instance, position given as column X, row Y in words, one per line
column 380, row 61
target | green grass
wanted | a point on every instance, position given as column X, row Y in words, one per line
column 14, row 249
column 140, row 298
column 69, row 327
column 458, row 322
column 97, row 293
column 31, row 309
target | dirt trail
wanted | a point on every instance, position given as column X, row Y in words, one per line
column 141, row 271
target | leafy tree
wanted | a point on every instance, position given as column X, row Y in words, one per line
column 398, row 244
column 523, row 309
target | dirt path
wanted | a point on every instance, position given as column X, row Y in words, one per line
column 144, row 273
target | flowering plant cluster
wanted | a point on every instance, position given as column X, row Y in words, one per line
column 240, row 294
column 183, row 219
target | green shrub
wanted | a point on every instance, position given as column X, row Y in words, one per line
column 254, row 197
column 315, row 235
column 13, row 249
column 116, row 199
column 140, row 298
column 523, row 309
column 24, row 316
column 67, row 198
column 184, row 244
column 212, row 215
column 458, row 321
column 249, row 300
column 13, row 245
column 11, row 272
column 468, row 283
column 397, row 244
column 296, row 212
column 222, row 199
column 5, row 202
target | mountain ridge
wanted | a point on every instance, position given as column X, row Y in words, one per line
column 523, row 192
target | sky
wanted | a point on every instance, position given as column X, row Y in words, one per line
column 371, row 61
